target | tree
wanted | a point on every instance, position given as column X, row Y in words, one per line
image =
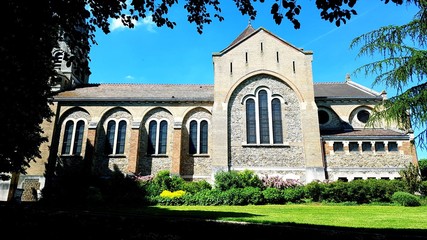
column 412, row 177
column 35, row 27
column 422, row 163
column 403, row 67
column 25, row 68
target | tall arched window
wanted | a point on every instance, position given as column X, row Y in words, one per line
column 277, row 120
column 250, row 121
column 73, row 137
column 264, row 128
column 198, row 137
column 116, row 136
column 157, row 137
column 264, row 119
column 193, row 137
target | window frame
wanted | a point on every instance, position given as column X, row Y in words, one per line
column 253, row 125
column 73, row 142
column 327, row 112
column 199, row 144
column 338, row 146
column 392, row 146
column 118, row 146
column 160, row 142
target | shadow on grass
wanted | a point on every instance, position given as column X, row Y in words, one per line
column 27, row 221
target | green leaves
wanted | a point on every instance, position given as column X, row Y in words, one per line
column 403, row 66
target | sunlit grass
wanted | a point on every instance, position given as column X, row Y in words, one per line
column 360, row 216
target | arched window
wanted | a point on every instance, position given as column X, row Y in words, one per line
column 277, row 121
column 73, row 137
column 264, row 127
column 157, row 137
column 116, row 136
column 250, row 121
column 264, row 119
column 193, row 137
column 204, row 136
column 198, row 137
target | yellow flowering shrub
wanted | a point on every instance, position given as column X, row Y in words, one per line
column 169, row 194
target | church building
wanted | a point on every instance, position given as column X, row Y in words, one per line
column 262, row 113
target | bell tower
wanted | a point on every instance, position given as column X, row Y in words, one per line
column 69, row 74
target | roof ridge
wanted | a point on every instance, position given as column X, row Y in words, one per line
column 245, row 33
column 363, row 88
column 156, row 84
column 319, row 83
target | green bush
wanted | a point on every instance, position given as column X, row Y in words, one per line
column 233, row 196
column 360, row 191
column 204, row 197
column 273, row 195
column 412, row 177
column 248, row 178
column 314, row 191
column 294, row 195
column 423, row 188
column 422, row 163
column 225, row 180
column 167, row 182
column 196, row 186
column 252, row 195
column 405, row 199
column 381, row 190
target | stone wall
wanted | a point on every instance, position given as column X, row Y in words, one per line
column 271, row 156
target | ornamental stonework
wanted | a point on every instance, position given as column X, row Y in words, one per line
column 79, row 114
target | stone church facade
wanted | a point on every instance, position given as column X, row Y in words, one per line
column 263, row 113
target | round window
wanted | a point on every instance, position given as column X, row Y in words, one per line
column 323, row 116
column 363, row 116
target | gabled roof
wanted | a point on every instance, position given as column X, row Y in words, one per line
column 247, row 32
column 344, row 90
column 197, row 92
column 250, row 31
column 139, row 92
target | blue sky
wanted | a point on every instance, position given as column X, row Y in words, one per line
column 149, row 54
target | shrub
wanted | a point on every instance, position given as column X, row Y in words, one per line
column 314, row 190
column 406, row 199
column 232, row 196
column 205, row 197
column 225, row 180
column 273, row 195
column 248, row 178
column 422, row 163
column 252, row 195
column 196, row 186
column 294, row 195
column 174, row 194
column 412, row 177
column 423, row 188
column 279, row 183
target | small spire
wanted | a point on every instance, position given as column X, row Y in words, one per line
column 249, row 22
column 347, row 77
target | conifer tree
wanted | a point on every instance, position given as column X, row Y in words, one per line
column 403, row 66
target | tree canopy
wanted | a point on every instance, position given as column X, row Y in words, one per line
column 34, row 28
column 402, row 67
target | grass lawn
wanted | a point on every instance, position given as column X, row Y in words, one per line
column 360, row 216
